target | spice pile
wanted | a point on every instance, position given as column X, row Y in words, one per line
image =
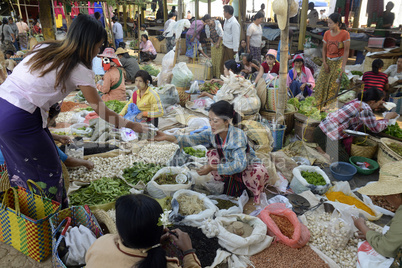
column 69, row 106
column 284, row 225
column 190, row 204
column 382, row 202
column 224, row 204
column 279, row 255
column 166, row 179
column 349, row 200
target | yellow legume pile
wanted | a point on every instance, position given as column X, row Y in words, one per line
column 349, row 200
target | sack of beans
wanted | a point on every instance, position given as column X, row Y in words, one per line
column 284, row 225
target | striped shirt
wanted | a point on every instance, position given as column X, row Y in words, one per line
column 372, row 79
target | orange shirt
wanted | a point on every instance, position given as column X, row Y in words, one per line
column 335, row 44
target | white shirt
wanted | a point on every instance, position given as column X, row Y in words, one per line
column 29, row 91
column 118, row 30
column 255, row 33
column 231, row 34
column 392, row 70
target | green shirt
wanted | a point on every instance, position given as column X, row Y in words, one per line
column 389, row 243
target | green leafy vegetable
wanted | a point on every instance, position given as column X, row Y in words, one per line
column 357, row 73
column 140, row 172
column 191, row 151
column 345, row 82
column 313, row 178
column 309, row 109
column 150, row 69
column 295, row 102
column 115, row 105
column 394, row 130
column 396, row 148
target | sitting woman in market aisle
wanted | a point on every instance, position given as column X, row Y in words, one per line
column 251, row 67
column 375, row 77
column 113, row 86
column 138, row 239
column 330, row 135
column 232, row 160
column 271, row 65
column 300, row 79
column 145, row 100
column 130, row 64
column 147, row 49
column 388, row 186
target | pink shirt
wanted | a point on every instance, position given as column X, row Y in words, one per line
column 29, row 91
column 305, row 77
column 148, row 47
column 22, row 27
column 198, row 29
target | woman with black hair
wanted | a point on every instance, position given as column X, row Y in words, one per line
column 376, row 78
column 130, row 64
column 147, row 49
column 335, row 54
column 232, row 160
column 146, row 99
column 254, row 37
column 214, row 32
column 330, row 134
column 138, row 242
column 251, row 67
column 7, row 36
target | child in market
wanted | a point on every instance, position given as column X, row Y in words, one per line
column 138, row 242
column 243, row 48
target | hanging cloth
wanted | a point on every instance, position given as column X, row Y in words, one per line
column 375, row 9
column 90, row 8
column 98, row 7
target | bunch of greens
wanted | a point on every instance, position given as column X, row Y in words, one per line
column 345, row 82
column 115, row 105
column 295, row 102
column 396, row 148
column 140, row 172
column 357, row 73
column 394, row 131
column 191, row 151
column 150, row 69
column 99, row 192
column 308, row 107
column 313, row 178
column 211, row 88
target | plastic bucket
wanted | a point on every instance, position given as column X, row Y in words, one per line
column 278, row 134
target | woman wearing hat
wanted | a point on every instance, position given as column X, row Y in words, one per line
column 47, row 75
column 335, row 54
column 113, row 87
column 271, row 65
column 390, row 187
column 129, row 63
column 300, row 78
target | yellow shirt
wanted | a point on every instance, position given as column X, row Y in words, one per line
column 150, row 104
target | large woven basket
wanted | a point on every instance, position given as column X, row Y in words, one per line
column 304, row 127
column 289, row 119
column 104, row 219
column 386, row 154
column 367, row 151
column 183, row 96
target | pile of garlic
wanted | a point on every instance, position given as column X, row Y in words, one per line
column 157, row 152
column 103, row 167
column 64, row 117
column 112, row 214
column 318, row 226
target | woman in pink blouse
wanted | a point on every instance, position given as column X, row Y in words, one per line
column 147, row 49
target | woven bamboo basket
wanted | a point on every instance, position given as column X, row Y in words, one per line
column 304, row 127
column 104, row 219
column 183, row 96
column 386, row 154
column 368, row 61
column 289, row 119
column 367, row 151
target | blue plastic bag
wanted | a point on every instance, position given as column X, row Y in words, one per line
column 132, row 113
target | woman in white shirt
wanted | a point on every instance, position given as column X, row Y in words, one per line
column 214, row 32
column 254, row 37
column 46, row 76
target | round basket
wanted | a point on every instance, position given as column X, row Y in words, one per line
column 367, row 151
column 373, row 164
column 104, row 219
column 304, row 127
column 183, row 96
column 386, row 154
column 289, row 119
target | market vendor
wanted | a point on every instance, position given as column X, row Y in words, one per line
column 113, row 87
column 47, row 75
column 388, row 186
column 251, row 67
column 271, row 65
column 330, row 135
column 232, row 160
column 147, row 49
column 138, row 239
column 395, row 70
column 375, row 77
column 300, row 79
column 129, row 64
column 146, row 99
column 230, row 65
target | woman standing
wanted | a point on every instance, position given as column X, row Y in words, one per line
column 7, row 37
column 193, row 39
column 232, row 160
column 147, row 49
column 254, row 37
column 376, row 78
column 214, row 31
column 334, row 55
column 46, row 76
column 146, row 99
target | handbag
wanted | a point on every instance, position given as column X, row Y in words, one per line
column 272, row 94
column 24, row 221
column 73, row 216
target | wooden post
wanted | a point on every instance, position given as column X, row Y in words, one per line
column 197, row 9
column 303, row 25
column 68, row 18
column 283, row 70
column 165, row 10
column 117, row 12
column 176, row 52
column 46, row 19
column 242, row 17
column 143, row 14
column 209, row 7
column 125, row 17
column 19, row 8
column 26, row 14
column 179, row 10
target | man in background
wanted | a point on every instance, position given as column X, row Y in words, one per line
column 312, row 15
column 15, row 31
column 231, row 35
column 117, row 31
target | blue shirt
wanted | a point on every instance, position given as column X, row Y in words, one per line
column 234, row 149
column 97, row 66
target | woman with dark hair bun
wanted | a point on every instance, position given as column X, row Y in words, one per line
column 375, row 77
column 232, row 160
column 254, row 37
column 137, row 243
column 330, row 134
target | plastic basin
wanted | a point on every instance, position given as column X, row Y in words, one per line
column 373, row 164
column 342, row 171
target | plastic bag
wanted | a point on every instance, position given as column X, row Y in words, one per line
column 132, row 112
column 192, row 220
column 194, row 88
column 176, row 28
column 201, row 160
column 79, row 117
column 165, row 76
column 182, row 76
column 238, row 203
column 161, row 191
column 214, row 187
column 168, row 95
column 81, row 129
column 367, row 257
column 248, row 103
column 301, row 234
column 339, row 230
column 299, row 184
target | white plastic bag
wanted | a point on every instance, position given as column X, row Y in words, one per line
column 339, row 231
column 198, row 179
column 192, row 220
column 78, row 117
column 343, row 186
column 182, row 76
column 299, row 184
column 161, row 191
column 76, row 129
column 367, row 257
column 168, row 95
column 247, row 104
column 165, row 76
column 176, row 28
column 238, row 204
column 194, row 88
column 201, row 160
column 214, row 187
